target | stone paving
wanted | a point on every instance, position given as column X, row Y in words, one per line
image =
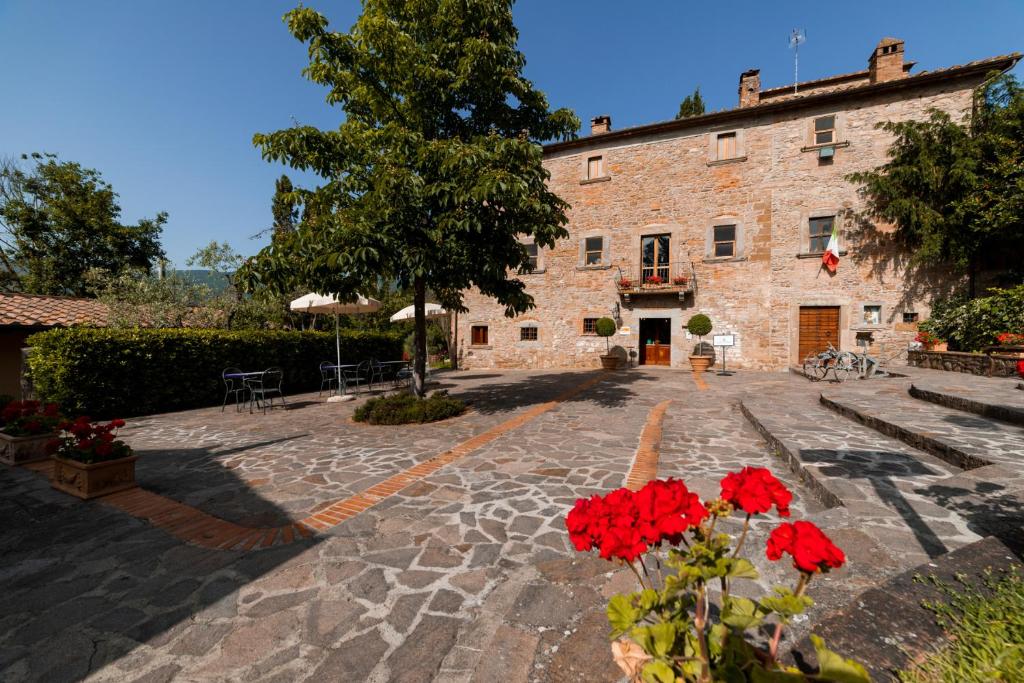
column 463, row 575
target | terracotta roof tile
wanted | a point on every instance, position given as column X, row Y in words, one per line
column 37, row 310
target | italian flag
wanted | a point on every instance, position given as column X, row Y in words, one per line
column 830, row 259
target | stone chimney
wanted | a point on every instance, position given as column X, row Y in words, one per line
column 886, row 62
column 600, row 124
column 750, row 88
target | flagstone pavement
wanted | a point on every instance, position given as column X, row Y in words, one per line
column 460, row 571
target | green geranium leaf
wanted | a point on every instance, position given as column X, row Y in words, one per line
column 785, row 603
column 835, row 667
column 759, row 675
column 742, row 613
column 657, row 640
column 742, row 569
column 658, row 672
column 622, row 615
column 648, row 599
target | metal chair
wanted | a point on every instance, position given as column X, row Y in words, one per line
column 233, row 385
column 328, row 376
column 376, row 372
column 356, row 374
column 264, row 387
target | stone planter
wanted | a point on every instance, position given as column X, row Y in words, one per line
column 940, row 347
column 700, row 363
column 95, row 479
column 15, row 450
column 610, row 362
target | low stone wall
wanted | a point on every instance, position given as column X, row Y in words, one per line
column 986, row 365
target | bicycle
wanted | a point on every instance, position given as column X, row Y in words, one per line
column 841, row 363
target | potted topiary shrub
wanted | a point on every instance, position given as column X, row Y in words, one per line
column 28, row 426
column 605, row 327
column 699, row 325
column 89, row 461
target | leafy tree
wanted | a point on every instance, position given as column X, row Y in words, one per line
column 692, row 105
column 140, row 299
column 435, row 174
column 955, row 190
column 285, row 213
column 59, row 220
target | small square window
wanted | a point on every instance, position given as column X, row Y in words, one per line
column 873, row 315
column 479, row 335
column 590, row 326
column 527, row 334
column 725, row 240
column 820, row 232
column 726, row 146
column 824, row 130
column 593, row 251
column 595, row 167
column 910, row 316
column 531, row 250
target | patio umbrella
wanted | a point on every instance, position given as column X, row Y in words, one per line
column 409, row 312
column 324, row 303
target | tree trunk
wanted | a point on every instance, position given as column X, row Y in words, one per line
column 419, row 364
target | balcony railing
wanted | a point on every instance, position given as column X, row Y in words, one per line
column 671, row 278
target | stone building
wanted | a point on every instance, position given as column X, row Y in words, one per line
column 731, row 211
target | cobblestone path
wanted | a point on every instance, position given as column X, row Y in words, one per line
column 464, row 574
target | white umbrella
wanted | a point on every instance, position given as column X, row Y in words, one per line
column 409, row 313
column 324, row 303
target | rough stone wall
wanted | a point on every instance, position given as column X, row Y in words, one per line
column 671, row 183
column 986, row 365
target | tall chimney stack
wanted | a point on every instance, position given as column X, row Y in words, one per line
column 600, row 124
column 750, row 88
column 886, row 62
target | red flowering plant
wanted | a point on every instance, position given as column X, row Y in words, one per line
column 90, row 442
column 926, row 338
column 30, row 418
column 680, row 280
column 669, row 631
column 653, row 280
column 1010, row 339
column 625, row 283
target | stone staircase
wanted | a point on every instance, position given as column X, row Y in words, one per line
column 924, row 465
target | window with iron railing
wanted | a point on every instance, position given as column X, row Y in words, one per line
column 654, row 258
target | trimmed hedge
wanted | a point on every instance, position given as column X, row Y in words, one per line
column 126, row 372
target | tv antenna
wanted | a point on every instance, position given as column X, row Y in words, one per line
column 796, row 38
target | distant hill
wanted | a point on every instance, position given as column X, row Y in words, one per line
column 215, row 281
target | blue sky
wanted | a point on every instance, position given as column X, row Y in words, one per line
column 164, row 97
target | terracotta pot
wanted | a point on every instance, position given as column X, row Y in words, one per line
column 610, row 362
column 700, row 363
column 15, row 450
column 95, row 479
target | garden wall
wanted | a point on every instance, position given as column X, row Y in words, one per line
column 125, row 372
column 988, row 365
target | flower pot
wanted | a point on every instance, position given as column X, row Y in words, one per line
column 15, row 450
column 93, row 480
column 700, row 363
column 610, row 362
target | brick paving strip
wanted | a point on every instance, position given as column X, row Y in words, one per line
column 199, row 528
column 701, row 386
column 645, row 463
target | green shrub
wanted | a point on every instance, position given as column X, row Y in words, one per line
column 972, row 325
column 699, row 325
column 125, row 372
column 405, row 408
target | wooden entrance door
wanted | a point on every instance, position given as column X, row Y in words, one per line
column 819, row 327
column 655, row 341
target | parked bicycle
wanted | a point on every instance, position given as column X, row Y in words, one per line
column 841, row 363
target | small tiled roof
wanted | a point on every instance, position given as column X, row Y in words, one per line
column 38, row 310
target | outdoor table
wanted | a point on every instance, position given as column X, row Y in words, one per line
column 338, row 369
column 243, row 375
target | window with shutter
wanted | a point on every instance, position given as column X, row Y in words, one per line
column 726, row 146
column 478, row 335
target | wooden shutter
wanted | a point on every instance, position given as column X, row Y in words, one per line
column 819, row 326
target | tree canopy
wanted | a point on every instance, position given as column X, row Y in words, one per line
column 692, row 105
column 59, row 220
column 434, row 177
column 955, row 189
column 284, row 211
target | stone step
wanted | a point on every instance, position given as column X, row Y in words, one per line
column 961, row 439
column 875, row 479
column 994, row 398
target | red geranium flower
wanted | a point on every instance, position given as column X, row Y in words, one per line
column 754, row 490
column 666, row 510
column 811, row 549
